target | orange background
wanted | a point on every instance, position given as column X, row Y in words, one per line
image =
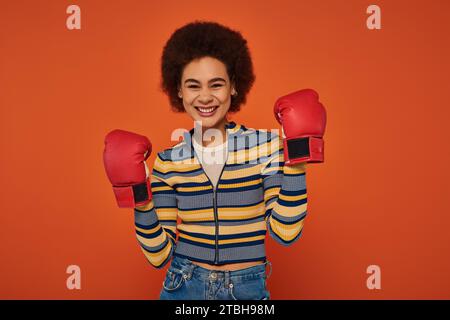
column 381, row 197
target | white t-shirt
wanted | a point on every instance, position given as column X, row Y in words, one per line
column 212, row 159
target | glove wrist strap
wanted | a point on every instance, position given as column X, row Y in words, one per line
column 303, row 149
column 134, row 195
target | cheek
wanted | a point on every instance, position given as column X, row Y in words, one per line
column 223, row 96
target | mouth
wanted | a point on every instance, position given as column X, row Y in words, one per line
column 206, row 111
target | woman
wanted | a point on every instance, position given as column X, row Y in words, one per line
column 226, row 183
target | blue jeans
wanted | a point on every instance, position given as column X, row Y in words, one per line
column 187, row 281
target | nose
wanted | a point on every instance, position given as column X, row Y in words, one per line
column 205, row 96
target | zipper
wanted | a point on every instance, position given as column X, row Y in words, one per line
column 216, row 215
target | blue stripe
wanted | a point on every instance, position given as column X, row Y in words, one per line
column 151, row 235
column 239, row 189
column 191, row 184
column 292, row 203
column 222, row 261
column 171, row 233
column 236, row 220
column 195, row 208
column 224, row 206
column 158, row 184
column 147, row 226
column 243, row 179
column 224, row 236
column 242, row 244
column 195, row 193
column 225, row 220
column 165, row 207
column 294, row 174
column 293, row 193
column 223, row 246
column 177, row 172
column 167, row 220
column 300, row 218
column 198, row 244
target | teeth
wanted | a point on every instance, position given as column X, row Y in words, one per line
column 206, row 110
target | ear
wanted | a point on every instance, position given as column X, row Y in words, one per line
column 233, row 88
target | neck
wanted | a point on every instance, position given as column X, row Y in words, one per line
column 217, row 140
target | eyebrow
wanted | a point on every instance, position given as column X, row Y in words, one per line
column 212, row 80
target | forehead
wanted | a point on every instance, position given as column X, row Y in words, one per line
column 205, row 68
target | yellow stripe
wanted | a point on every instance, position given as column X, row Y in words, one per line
column 290, row 211
column 240, row 185
column 153, row 242
column 162, row 188
column 295, row 169
column 268, row 171
column 254, row 153
column 196, row 215
column 197, row 229
column 150, row 231
column 197, row 239
column 292, row 198
column 239, row 215
column 241, row 209
column 251, row 227
column 192, row 189
column 168, row 165
column 270, row 193
column 284, row 232
column 242, row 239
column 157, row 258
column 167, row 212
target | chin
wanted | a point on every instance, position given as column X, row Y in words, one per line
column 207, row 122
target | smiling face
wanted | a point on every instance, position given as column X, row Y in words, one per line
column 206, row 92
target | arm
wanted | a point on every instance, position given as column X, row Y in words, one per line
column 303, row 120
column 285, row 197
column 155, row 223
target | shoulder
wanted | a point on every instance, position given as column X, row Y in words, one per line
column 262, row 135
column 170, row 159
column 263, row 143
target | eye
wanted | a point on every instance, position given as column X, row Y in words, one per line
column 217, row 85
column 192, row 86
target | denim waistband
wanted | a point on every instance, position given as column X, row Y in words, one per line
column 190, row 269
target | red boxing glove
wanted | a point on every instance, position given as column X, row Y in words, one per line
column 124, row 159
column 303, row 119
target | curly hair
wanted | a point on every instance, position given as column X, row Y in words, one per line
column 200, row 39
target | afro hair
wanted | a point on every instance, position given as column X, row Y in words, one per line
column 200, row 39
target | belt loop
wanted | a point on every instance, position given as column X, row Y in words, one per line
column 191, row 267
column 270, row 265
column 227, row 278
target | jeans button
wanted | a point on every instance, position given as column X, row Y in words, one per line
column 213, row 275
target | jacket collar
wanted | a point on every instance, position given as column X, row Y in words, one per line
column 231, row 127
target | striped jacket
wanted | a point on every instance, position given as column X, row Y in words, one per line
column 226, row 224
